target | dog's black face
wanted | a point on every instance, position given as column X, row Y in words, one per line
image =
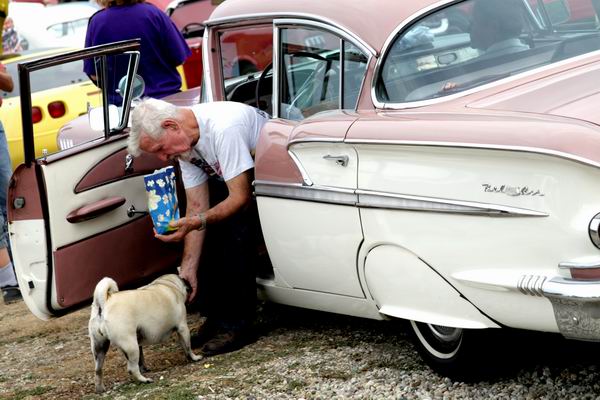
column 188, row 287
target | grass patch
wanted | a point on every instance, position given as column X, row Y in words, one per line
column 296, row 384
column 24, row 393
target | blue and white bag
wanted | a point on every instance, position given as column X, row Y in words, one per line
column 162, row 198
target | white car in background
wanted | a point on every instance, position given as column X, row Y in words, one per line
column 60, row 25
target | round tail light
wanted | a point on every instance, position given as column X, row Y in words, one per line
column 57, row 109
column 36, row 114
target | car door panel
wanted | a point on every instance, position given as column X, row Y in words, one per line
column 113, row 168
column 318, row 249
column 328, row 164
column 80, row 253
column 107, row 254
column 62, row 176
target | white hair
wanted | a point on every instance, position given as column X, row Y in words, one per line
column 146, row 119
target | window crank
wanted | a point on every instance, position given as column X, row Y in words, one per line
column 339, row 160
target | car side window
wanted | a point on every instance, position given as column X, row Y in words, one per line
column 82, row 114
column 245, row 54
column 355, row 67
column 475, row 42
column 311, row 78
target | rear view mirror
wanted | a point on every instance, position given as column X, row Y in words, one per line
column 137, row 89
column 96, row 117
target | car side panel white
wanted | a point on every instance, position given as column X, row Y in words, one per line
column 28, row 242
column 312, row 246
column 358, row 307
column 486, row 256
column 323, row 163
column 403, row 286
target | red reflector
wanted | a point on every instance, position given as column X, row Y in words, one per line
column 56, row 109
column 586, row 274
column 36, row 115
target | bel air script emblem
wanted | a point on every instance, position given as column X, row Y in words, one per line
column 511, row 190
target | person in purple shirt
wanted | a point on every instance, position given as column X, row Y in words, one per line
column 163, row 47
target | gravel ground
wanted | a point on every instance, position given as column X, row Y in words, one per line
column 299, row 354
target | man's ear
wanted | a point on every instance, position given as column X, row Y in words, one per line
column 169, row 124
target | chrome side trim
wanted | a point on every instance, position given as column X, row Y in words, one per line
column 535, row 150
column 300, row 16
column 579, row 265
column 564, row 288
column 305, row 178
column 531, row 285
column 319, row 194
column 374, row 199
column 383, row 200
column 314, row 140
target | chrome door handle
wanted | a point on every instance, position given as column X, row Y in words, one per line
column 128, row 163
column 131, row 211
column 339, row 160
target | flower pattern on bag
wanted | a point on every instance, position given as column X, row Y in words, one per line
column 161, row 189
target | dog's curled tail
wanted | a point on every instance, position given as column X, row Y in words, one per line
column 104, row 289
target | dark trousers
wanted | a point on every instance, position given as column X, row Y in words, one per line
column 226, row 274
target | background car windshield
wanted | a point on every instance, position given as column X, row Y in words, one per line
column 476, row 42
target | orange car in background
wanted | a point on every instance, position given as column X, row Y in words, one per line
column 243, row 57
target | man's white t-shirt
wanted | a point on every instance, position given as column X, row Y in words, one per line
column 228, row 135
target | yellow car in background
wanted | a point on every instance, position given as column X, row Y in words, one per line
column 58, row 95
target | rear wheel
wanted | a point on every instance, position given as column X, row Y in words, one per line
column 447, row 350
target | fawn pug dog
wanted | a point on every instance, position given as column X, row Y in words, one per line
column 132, row 318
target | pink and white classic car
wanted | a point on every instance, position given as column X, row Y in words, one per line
column 433, row 161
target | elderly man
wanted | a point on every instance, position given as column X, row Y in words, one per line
column 214, row 143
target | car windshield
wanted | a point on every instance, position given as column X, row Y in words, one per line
column 475, row 42
column 60, row 75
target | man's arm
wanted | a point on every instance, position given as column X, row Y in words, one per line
column 197, row 201
column 240, row 194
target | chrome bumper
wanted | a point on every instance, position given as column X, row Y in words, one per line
column 576, row 307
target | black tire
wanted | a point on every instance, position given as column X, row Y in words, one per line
column 448, row 351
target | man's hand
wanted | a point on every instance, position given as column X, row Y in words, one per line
column 190, row 276
column 183, row 225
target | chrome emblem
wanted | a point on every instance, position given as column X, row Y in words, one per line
column 513, row 191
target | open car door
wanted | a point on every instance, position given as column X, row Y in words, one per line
column 81, row 214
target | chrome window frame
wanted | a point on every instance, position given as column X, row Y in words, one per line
column 341, row 34
column 206, row 78
column 277, row 20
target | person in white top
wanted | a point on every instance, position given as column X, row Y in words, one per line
column 214, row 144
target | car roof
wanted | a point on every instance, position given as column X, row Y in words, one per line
column 357, row 16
